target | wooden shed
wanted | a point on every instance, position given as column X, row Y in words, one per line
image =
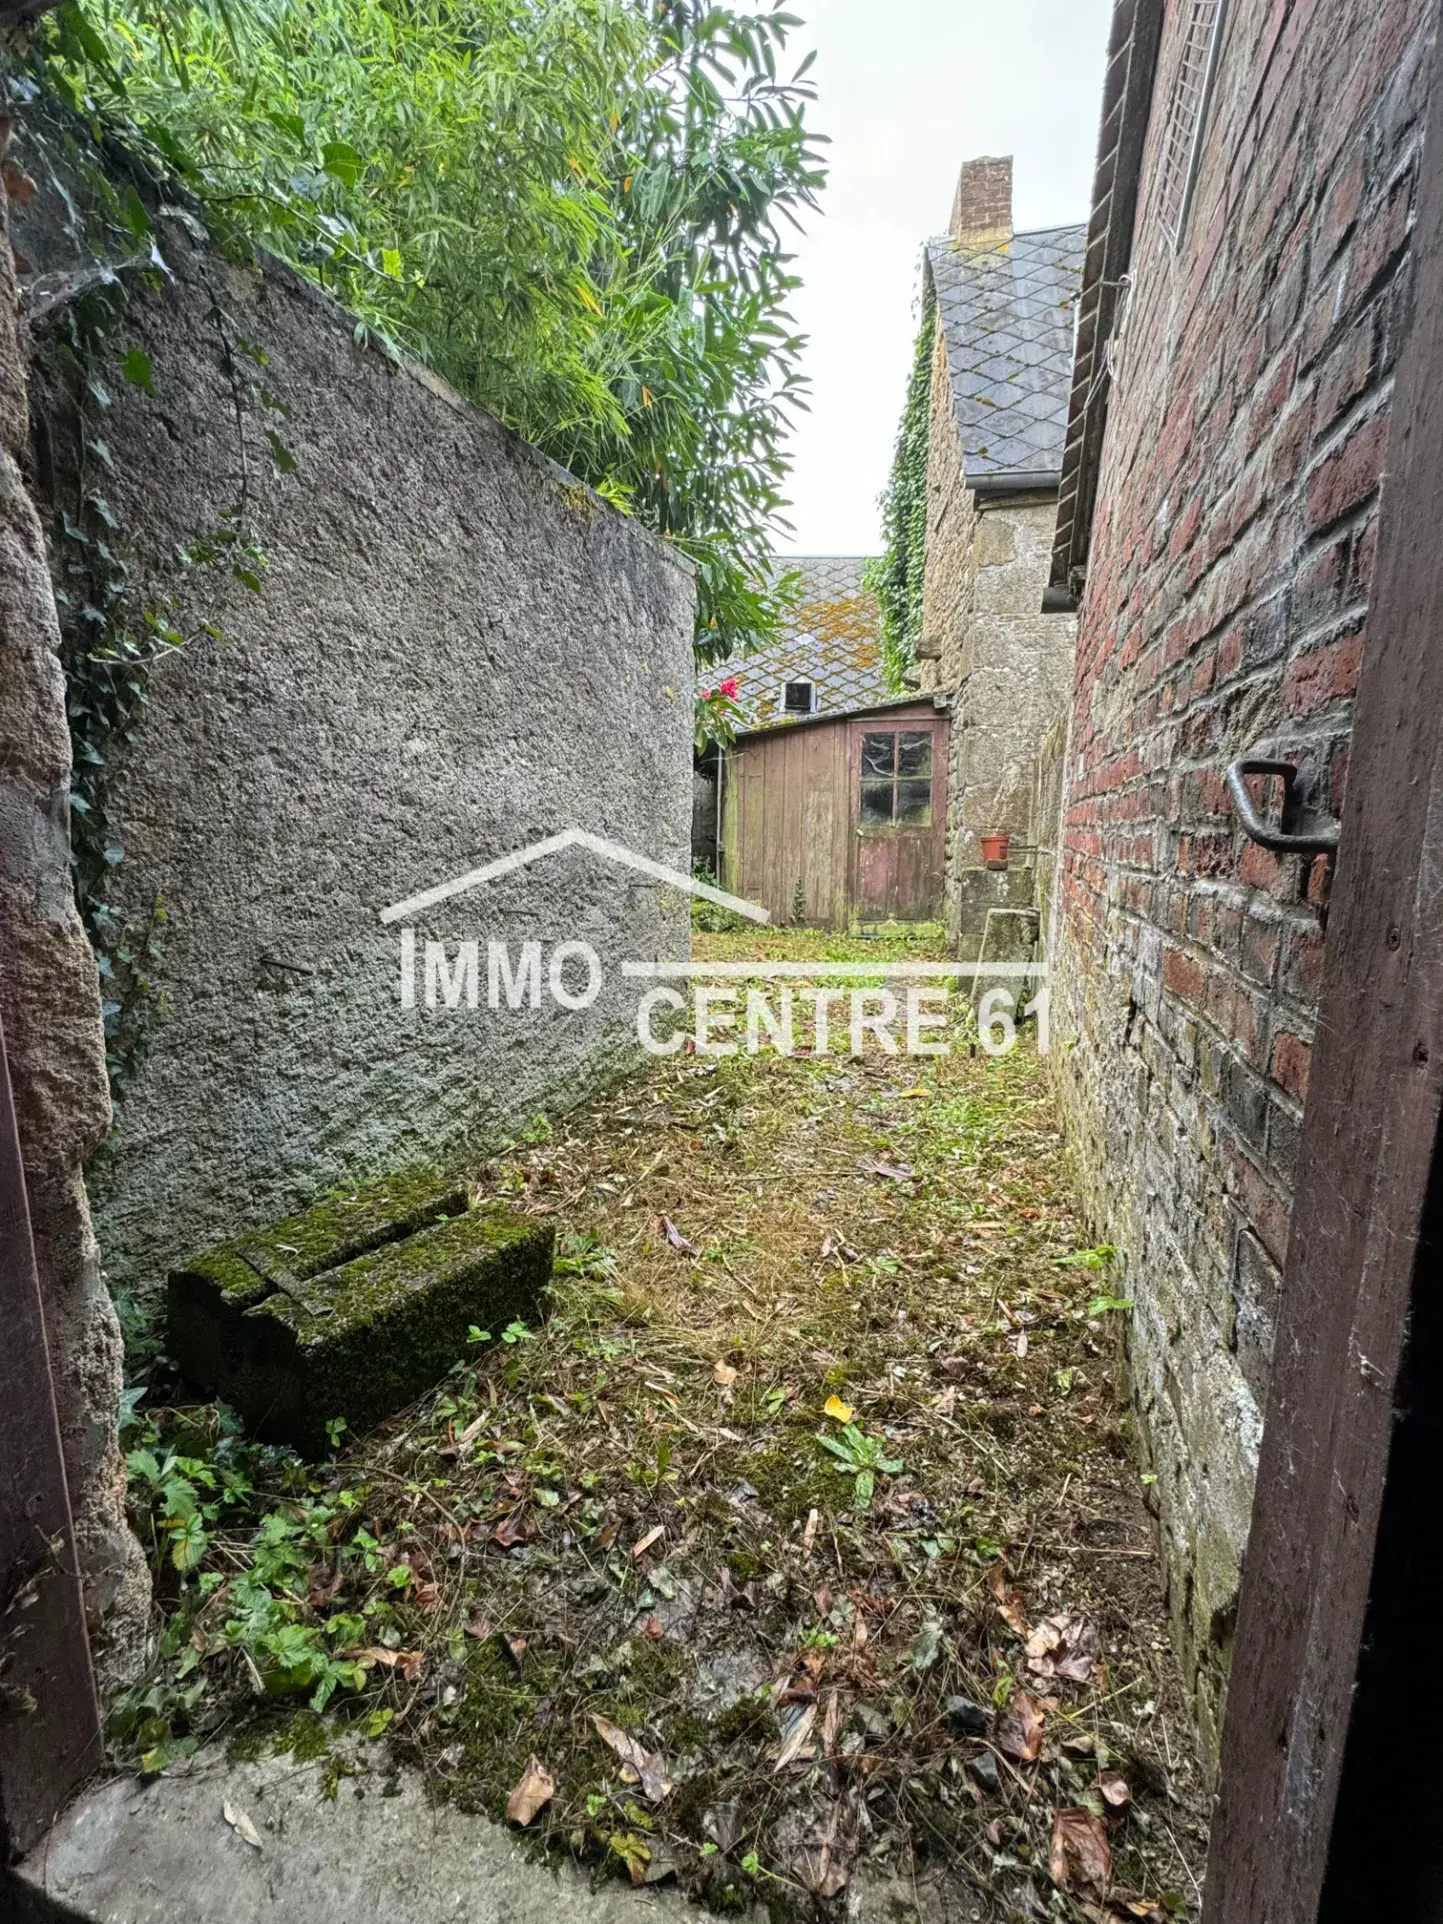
column 839, row 821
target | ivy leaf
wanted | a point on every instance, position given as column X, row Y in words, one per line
column 391, row 262
column 285, row 461
column 133, row 213
column 342, row 162
column 136, row 369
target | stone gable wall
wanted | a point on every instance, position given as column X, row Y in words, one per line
column 1226, row 607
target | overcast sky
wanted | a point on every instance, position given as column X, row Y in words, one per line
column 907, row 91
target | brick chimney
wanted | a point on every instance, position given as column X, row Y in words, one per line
column 982, row 209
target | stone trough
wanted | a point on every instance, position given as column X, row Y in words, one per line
column 355, row 1308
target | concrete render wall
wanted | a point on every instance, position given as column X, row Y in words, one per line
column 1226, row 609
column 456, row 650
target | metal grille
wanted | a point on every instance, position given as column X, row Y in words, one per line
column 1187, row 114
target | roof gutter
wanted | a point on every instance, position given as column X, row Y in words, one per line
column 1022, row 481
column 1126, row 108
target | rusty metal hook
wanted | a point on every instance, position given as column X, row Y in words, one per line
column 1299, row 832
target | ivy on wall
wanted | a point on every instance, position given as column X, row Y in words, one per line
column 112, row 634
column 896, row 576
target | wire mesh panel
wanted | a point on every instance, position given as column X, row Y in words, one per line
column 1187, row 114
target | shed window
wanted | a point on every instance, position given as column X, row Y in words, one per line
column 1187, row 114
column 797, row 697
column 896, row 776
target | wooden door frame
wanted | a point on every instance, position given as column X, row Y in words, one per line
column 939, row 722
column 1369, row 1136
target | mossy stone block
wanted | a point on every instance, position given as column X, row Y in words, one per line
column 354, row 1308
column 368, row 1338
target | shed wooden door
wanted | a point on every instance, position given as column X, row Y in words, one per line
column 898, row 806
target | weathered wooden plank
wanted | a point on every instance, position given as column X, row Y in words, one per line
column 1369, row 1140
column 49, row 1719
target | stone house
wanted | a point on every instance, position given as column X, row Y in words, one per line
column 1004, row 304
column 1249, row 268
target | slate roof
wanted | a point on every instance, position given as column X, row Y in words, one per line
column 1007, row 321
column 833, row 638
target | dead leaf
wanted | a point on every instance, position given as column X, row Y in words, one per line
column 830, row 1722
column 653, row 1628
column 1018, row 1729
column 322, row 1585
column 535, row 1790
column 892, row 1171
column 241, row 1824
column 1063, row 1646
column 639, row 1765
column 410, row 1663
column 1116, row 1791
column 517, row 1648
column 480, row 1628
column 1009, row 1600
column 724, row 1374
column 653, row 1535
column 674, row 1236
column 841, row 1412
column 796, row 1737
column 809, row 1535
column 512, row 1530
column 1080, row 1858
column 607, row 1535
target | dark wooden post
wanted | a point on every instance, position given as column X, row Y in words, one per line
column 49, row 1718
column 1369, row 1139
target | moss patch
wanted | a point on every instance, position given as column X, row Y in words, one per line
column 354, row 1308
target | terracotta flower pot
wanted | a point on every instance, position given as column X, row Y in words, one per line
column 994, row 850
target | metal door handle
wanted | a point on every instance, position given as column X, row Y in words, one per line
column 1299, row 832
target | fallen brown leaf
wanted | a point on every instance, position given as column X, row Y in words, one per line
column 653, row 1535
column 1116, row 1791
column 535, row 1790
column 674, row 1236
column 1018, row 1729
column 639, row 1765
column 241, row 1824
column 1063, row 1646
column 1080, row 1857
column 1009, row 1600
column 410, row 1663
column 513, row 1530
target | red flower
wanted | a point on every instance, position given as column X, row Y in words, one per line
column 729, row 688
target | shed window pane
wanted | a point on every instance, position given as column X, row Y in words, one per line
column 914, row 756
column 914, row 803
column 877, row 801
column 879, row 756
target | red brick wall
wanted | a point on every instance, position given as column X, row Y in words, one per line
column 1226, row 607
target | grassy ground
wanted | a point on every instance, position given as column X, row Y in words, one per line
column 803, row 1537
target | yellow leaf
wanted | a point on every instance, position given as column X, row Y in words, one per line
column 908, row 1094
column 835, row 1407
column 590, row 300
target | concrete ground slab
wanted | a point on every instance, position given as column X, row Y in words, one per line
column 128, row 1852
column 164, row 1852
